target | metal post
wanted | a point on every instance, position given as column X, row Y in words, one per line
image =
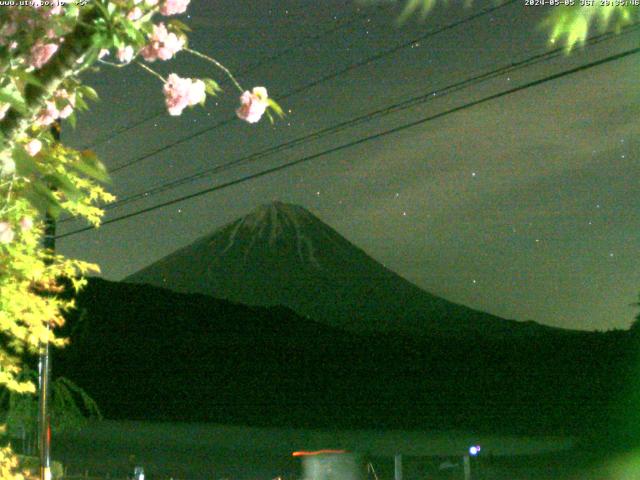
column 44, row 361
column 467, row 467
column 398, row 467
column 44, row 374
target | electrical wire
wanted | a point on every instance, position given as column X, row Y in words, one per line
column 362, row 140
column 242, row 71
column 412, row 102
column 325, row 78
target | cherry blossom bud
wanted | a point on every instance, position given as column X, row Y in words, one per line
column 253, row 105
column 33, row 147
column 6, row 233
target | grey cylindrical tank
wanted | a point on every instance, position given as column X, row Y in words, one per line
column 332, row 466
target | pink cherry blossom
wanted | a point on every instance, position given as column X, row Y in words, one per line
column 163, row 44
column 103, row 53
column 182, row 92
column 50, row 113
column 47, row 115
column 197, row 93
column 174, row 7
column 33, row 147
column 125, row 54
column 6, row 233
column 66, row 111
column 70, row 98
column 176, row 92
column 41, row 53
column 26, row 224
column 253, row 105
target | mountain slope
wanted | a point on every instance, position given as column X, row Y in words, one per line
column 281, row 254
column 148, row 353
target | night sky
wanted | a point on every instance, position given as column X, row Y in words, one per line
column 526, row 207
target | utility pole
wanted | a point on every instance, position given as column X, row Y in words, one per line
column 44, row 361
column 466, row 461
column 397, row 461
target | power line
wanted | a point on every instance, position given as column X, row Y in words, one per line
column 345, row 23
column 325, row 78
column 423, row 98
column 362, row 140
column 336, row 128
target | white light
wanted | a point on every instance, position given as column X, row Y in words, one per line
column 474, row 450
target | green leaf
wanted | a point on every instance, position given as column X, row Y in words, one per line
column 133, row 33
column 41, row 198
column 413, row 6
column 27, row 77
column 81, row 105
column 60, row 182
column 89, row 92
column 14, row 99
column 211, row 86
column 270, row 117
column 571, row 24
column 273, row 105
column 26, row 165
column 104, row 11
column 178, row 26
column 72, row 120
column 117, row 42
column 91, row 166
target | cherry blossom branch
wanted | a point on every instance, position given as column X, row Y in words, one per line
column 151, row 71
column 217, row 64
column 112, row 64
column 64, row 64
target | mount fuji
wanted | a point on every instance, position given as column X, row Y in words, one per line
column 281, row 254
